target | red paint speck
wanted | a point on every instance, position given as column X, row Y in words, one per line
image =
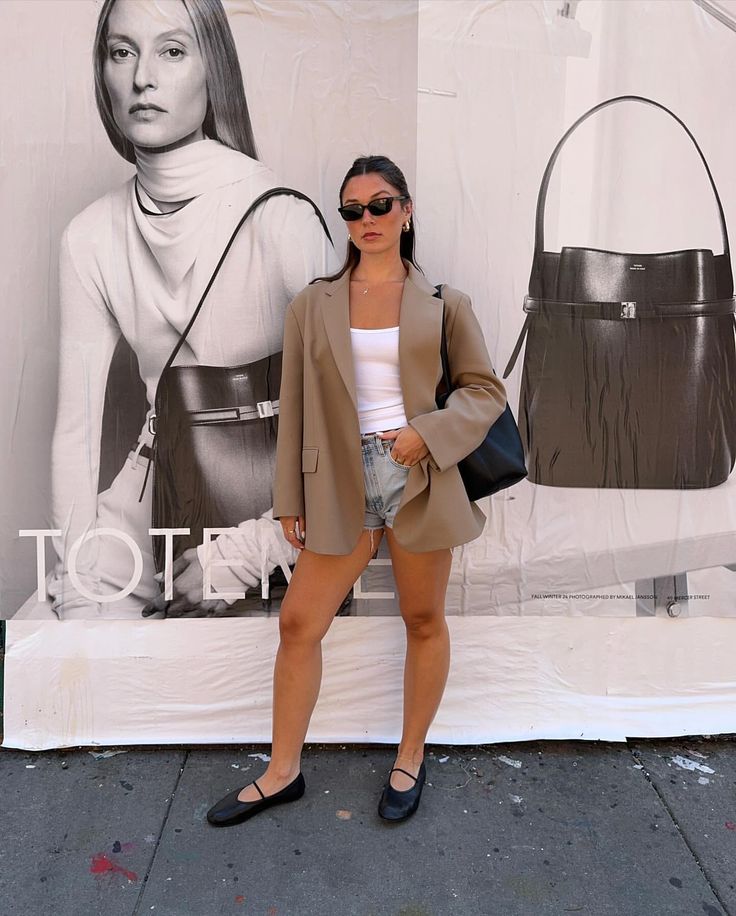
column 240, row 899
column 102, row 865
column 730, row 825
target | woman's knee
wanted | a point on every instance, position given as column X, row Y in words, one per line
column 424, row 621
column 297, row 626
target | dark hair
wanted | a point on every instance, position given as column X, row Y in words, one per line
column 381, row 165
column 227, row 118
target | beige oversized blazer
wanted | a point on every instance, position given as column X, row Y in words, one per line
column 319, row 468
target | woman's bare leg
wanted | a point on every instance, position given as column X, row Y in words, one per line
column 421, row 579
column 318, row 585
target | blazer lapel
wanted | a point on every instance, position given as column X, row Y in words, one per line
column 336, row 317
column 420, row 333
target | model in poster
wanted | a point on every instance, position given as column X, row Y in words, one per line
column 134, row 263
column 363, row 449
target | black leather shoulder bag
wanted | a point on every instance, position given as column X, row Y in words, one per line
column 498, row 462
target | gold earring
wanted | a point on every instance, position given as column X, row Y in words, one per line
column 405, row 227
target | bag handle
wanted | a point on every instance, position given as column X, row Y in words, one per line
column 542, row 197
column 272, row 192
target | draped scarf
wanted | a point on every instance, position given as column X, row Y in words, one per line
column 190, row 173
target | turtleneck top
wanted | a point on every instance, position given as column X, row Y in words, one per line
column 123, row 271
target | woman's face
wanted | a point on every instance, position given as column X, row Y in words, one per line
column 375, row 234
column 154, row 73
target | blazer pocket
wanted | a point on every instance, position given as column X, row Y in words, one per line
column 309, row 460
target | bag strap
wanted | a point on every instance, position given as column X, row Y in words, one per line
column 517, row 347
column 542, row 197
column 272, row 192
column 443, row 346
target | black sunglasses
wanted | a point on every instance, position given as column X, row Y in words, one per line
column 379, row 207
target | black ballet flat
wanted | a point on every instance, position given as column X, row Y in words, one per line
column 397, row 805
column 229, row 810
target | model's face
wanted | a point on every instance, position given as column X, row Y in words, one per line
column 154, row 73
column 375, row 234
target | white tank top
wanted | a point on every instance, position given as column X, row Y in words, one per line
column 377, row 382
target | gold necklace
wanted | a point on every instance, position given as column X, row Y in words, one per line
column 377, row 283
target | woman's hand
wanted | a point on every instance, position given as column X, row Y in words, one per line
column 409, row 447
column 187, row 600
column 294, row 529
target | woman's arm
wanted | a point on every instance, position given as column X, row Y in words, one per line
column 478, row 398
column 88, row 336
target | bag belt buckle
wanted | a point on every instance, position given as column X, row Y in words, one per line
column 265, row 409
column 628, row 310
column 152, row 424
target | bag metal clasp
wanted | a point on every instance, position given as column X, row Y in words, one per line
column 265, row 409
column 152, row 424
column 628, row 310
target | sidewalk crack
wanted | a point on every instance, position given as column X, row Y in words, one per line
column 639, row 759
column 139, row 900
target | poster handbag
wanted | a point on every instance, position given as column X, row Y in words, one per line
column 498, row 462
column 214, row 431
column 629, row 372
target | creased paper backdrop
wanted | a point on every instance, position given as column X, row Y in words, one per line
column 470, row 99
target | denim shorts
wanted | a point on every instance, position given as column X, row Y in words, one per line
column 384, row 482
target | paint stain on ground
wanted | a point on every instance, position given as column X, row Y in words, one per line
column 685, row 763
column 730, row 825
column 102, row 865
column 344, row 815
column 240, row 898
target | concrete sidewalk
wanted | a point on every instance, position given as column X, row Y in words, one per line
column 533, row 829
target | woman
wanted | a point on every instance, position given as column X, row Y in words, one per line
column 134, row 263
column 362, row 449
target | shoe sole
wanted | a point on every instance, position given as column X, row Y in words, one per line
column 397, row 820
